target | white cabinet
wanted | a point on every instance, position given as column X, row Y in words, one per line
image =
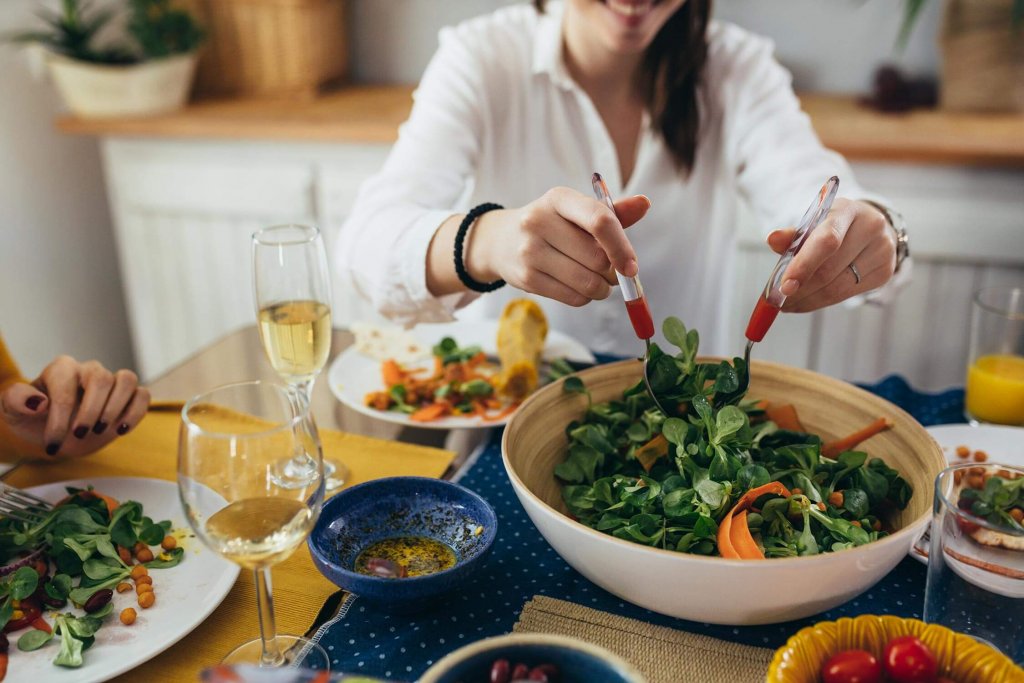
column 185, row 210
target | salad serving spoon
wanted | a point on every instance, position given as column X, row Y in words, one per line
column 633, row 295
column 770, row 302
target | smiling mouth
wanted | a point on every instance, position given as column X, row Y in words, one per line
column 631, row 9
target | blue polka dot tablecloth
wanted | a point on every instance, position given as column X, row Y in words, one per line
column 361, row 639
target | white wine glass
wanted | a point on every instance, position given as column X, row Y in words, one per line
column 230, row 447
column 293, row 307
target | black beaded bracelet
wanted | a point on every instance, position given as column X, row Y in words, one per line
column 460, row 240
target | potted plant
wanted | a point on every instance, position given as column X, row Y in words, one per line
column 147, row 71
column 982, row 45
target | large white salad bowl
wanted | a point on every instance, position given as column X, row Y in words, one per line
column 713, row 589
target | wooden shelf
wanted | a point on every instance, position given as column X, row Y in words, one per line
column 372, row 114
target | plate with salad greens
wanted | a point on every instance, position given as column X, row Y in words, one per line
column 108, row 579
column 967, row 444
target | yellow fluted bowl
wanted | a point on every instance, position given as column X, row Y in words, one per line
column 960, row 657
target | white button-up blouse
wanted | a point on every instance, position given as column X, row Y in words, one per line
column 497, row 118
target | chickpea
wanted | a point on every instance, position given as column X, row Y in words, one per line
column 139, row 545
column 144, row 555
column 124, row 587
column 146, row 600
column 980, row 456
column 963, row 452
column 144, row 588
column 958, row 476
column 128, row 615
column 124, row 554
column 169, row 543
column 1017, row 514
column 145, row 578
column 138, row 570
column 836, row 498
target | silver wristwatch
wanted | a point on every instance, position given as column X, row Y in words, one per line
column 899, row 226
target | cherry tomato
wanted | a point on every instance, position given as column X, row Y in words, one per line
column 852, row 666
column 908, row 660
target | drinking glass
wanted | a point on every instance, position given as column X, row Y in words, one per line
column 293, row 306
column 995, row 372
column 975, row 566
column 230, row 446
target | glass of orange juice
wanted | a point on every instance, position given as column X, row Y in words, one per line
column 995, row 374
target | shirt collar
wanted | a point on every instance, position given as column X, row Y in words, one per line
column 548, row 54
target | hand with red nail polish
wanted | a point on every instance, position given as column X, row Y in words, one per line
column 66, row 410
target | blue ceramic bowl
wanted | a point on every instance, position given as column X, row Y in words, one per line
column 358, row 517
column 577, row 662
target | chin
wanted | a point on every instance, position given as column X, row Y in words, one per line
column 630, row 25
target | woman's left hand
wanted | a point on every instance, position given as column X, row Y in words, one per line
column 854, row 233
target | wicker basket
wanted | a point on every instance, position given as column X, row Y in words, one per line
column 272, row 48
column 983, row 57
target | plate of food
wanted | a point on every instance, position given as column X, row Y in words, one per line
column 459, row 375
column 963, row 444
column 108, row 579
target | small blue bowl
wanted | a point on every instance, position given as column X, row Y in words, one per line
column 577, row 662
column 358, row 517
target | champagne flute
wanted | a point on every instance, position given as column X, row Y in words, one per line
column 293, row 306
column 229, row 449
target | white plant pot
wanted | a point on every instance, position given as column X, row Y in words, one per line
column 99, row 90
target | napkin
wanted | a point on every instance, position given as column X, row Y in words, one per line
column 663, row 655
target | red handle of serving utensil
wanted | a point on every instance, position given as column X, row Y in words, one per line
column 632, row 291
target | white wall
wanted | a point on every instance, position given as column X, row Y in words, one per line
column 830, row 45
column 60, row 291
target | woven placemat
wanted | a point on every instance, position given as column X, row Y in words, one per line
column 663, row 655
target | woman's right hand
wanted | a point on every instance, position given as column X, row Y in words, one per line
column 565, row 246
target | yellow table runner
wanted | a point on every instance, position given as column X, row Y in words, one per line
column 151, row 450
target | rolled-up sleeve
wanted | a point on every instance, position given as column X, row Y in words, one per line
column 383, row 244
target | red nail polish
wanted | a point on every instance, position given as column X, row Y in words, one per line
column 52, row 448
column 123, row 428
column 32, row 403
column 100, row 427
column 81, row 431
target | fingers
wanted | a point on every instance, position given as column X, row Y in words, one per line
column 134, row 412
column 60, row 381
column 585, row 282
column 825, row 241
column 840, row 289
column 600, row 222
column 97, row 383
column 21, row 402
column 537, row 282
column 631, row 209
column 122, row 391
column 779, row 240
column 578, row 245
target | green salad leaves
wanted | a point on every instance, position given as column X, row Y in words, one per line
column 668, row 481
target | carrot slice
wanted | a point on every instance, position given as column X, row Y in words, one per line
column 784, row 416
column 429, row 413
column 392, row 373
column 40, row 624
column 742, row 540
column 725, row 547
column 650, row 452
column 851, row 441
column 508, row 410
column 748, row 498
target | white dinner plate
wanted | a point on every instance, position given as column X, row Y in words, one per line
column 353, row 375
column 186, row 595
column 1004, row 445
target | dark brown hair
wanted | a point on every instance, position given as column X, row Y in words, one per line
column 671, row 77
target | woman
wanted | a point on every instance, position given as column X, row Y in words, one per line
column 71, row 409
column 521, row 106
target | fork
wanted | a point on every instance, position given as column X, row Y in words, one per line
column 21, row 505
